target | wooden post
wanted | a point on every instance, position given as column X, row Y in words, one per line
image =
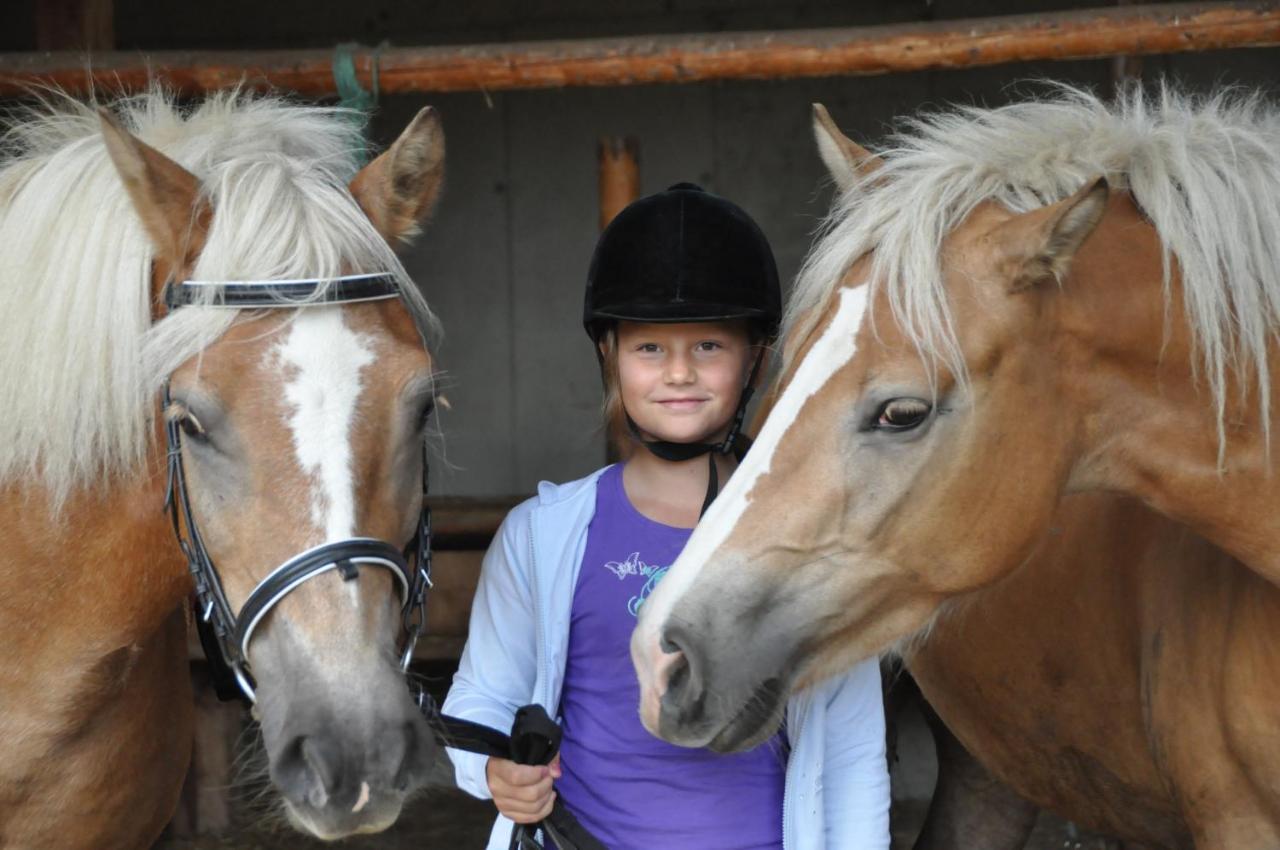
column 1127, row 68
column 80, row 25
column 619, row 160
column 205, row 806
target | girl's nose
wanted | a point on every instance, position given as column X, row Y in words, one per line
column 679, row 370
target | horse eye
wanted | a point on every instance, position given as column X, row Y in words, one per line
column 425, row 415
column 901, row 414
column 191, row 426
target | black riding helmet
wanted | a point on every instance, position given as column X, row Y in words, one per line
column 685, row 255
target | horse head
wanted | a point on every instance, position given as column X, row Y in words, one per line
column 982, row 328
column 299, row 426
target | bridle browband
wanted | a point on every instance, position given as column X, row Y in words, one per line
column 240, row 294
column 225, row 636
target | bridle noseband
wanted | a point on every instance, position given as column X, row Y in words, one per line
column 224, row 636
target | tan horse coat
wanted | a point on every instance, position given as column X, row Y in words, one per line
column 98, row 711
column 1126, row 675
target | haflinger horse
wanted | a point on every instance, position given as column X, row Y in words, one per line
column 1025, row 400
column 299, row 425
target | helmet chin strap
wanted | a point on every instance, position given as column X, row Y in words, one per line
column 734, row 439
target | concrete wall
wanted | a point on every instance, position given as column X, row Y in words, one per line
column 505, row 259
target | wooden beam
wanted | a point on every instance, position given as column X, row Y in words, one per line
column 1132, row 30
column 467, row 523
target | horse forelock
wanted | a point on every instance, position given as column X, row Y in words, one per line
column 83, row 358
column 1205, row 170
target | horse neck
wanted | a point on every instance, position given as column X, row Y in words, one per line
column 102, row 573
column 1149, row 424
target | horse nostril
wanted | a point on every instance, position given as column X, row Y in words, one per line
column 674, row 639
column 678, row 676
column 684, row 690
column 307, row 770
column 323, row 762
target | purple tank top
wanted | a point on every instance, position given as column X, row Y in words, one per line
column 630, row 789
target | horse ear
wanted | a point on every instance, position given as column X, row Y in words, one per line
column 845, row 159
column 399, row 189
column 166, row 196
column 1039, row 245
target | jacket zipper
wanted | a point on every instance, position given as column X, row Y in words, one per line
column 538, row 606
column 786, row 785
column 541, row 644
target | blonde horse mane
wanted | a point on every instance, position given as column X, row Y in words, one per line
column 82, row 359
column 1205, row 170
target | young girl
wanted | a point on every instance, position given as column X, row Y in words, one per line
column 682, row 298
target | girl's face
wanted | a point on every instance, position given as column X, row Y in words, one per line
column 681, row 382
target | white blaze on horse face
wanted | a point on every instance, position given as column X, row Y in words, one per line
column 828, row 355
column 326, row 358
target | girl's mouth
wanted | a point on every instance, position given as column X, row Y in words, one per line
column 682, row 404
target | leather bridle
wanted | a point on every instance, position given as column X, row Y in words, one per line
column 225, row 636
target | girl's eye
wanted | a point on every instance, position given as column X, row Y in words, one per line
column 709, row 345
column 648, row 347
column 901, row 414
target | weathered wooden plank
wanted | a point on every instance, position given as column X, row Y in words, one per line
column 460, row 522
column 454, row 577
column 1132, row 30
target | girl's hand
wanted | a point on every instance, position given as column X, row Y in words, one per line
column 522, row 792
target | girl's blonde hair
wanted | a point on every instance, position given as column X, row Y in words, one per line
column 619, row 438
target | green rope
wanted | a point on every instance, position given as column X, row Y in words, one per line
column 352, row 95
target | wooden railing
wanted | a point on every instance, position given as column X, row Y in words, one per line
column 1132, row 30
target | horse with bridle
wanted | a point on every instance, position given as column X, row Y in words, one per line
column 204, row 330
column 1022, row 435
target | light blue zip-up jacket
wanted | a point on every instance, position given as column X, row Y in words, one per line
column 837, row 781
